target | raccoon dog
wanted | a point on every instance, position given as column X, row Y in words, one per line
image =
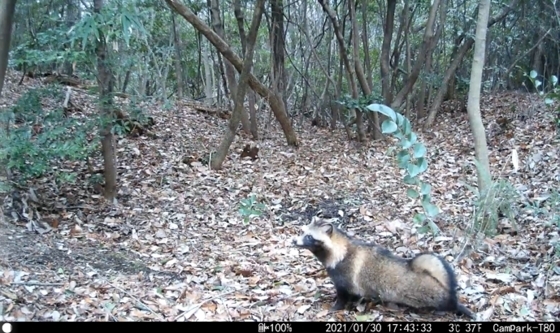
column 359, row 270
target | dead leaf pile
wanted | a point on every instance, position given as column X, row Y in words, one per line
column 175, row 247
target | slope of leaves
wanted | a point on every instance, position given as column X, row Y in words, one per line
column 176, row 248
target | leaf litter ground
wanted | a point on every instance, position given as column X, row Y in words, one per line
column 176, row 248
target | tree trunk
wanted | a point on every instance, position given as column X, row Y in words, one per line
column 276, row 104
column 365, row 42
column 385, row 50
column 105, row 83
column 178, row 57
column 428, row 45
column 344, row 56
column 199, row 64
column 330, row 80
column 458, row 58
column 208, row 75
column 72, row 13
column 7, row 9
column 221, row 153
column 222, row 74
column 404, row 25
column 409, row 100
column 253, row 112
column 126, row 81
column 305, row 98
column 277, row 41
column 218, row 27
column 449, row 74
column 423, row 99
column 451, row 85
column 473, row 105
column 366, row 89
column 239, row 17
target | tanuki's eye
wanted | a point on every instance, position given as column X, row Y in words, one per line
column 309, row 238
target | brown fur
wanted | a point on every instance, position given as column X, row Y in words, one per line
column 359, row 269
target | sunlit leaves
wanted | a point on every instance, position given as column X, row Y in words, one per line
column 383, row 109
column 419, row 150
column 412, row 193
column 412, row 159
column 403, row 159
column 533, row 74
column 409, row 180
column 419, row 218
column 411, row 156
column 425, row 188
column 430, row 209
column 389, row 126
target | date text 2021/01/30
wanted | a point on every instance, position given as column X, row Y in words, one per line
column 423, row 327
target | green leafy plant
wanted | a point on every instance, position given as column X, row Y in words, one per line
column 46, row 49
column 498, row 200
column 39, row 139
column 250, row 207
column 350, row 103
column 412, row 159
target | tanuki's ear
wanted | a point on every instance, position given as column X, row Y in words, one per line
column 326, row 227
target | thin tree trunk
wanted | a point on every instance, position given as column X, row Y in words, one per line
column 239, row 17
column 105, row 83
column 277, row 33
column 208, row 75
column 365, row 42
column 222, row 74
column 408, row 68
column 337, row 111
column 473, row 105
column 305, row 97
column 428, row 45
column 450, row 86
column 71, row 18
column 199, row 61
column 385, row 50
column 218, row 26
column 404, row 25
column 126, row 80
column 450, row 72
column 222, row 150
column 178, row 57
column 422, row 102
column 366, row 89
column 408, row 56
column 7, row 9
column 344, row 56
column 253, row 112
column 276, row 104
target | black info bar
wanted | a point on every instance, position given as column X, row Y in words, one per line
column 283, row 327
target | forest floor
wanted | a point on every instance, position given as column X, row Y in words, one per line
column 176, row 248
